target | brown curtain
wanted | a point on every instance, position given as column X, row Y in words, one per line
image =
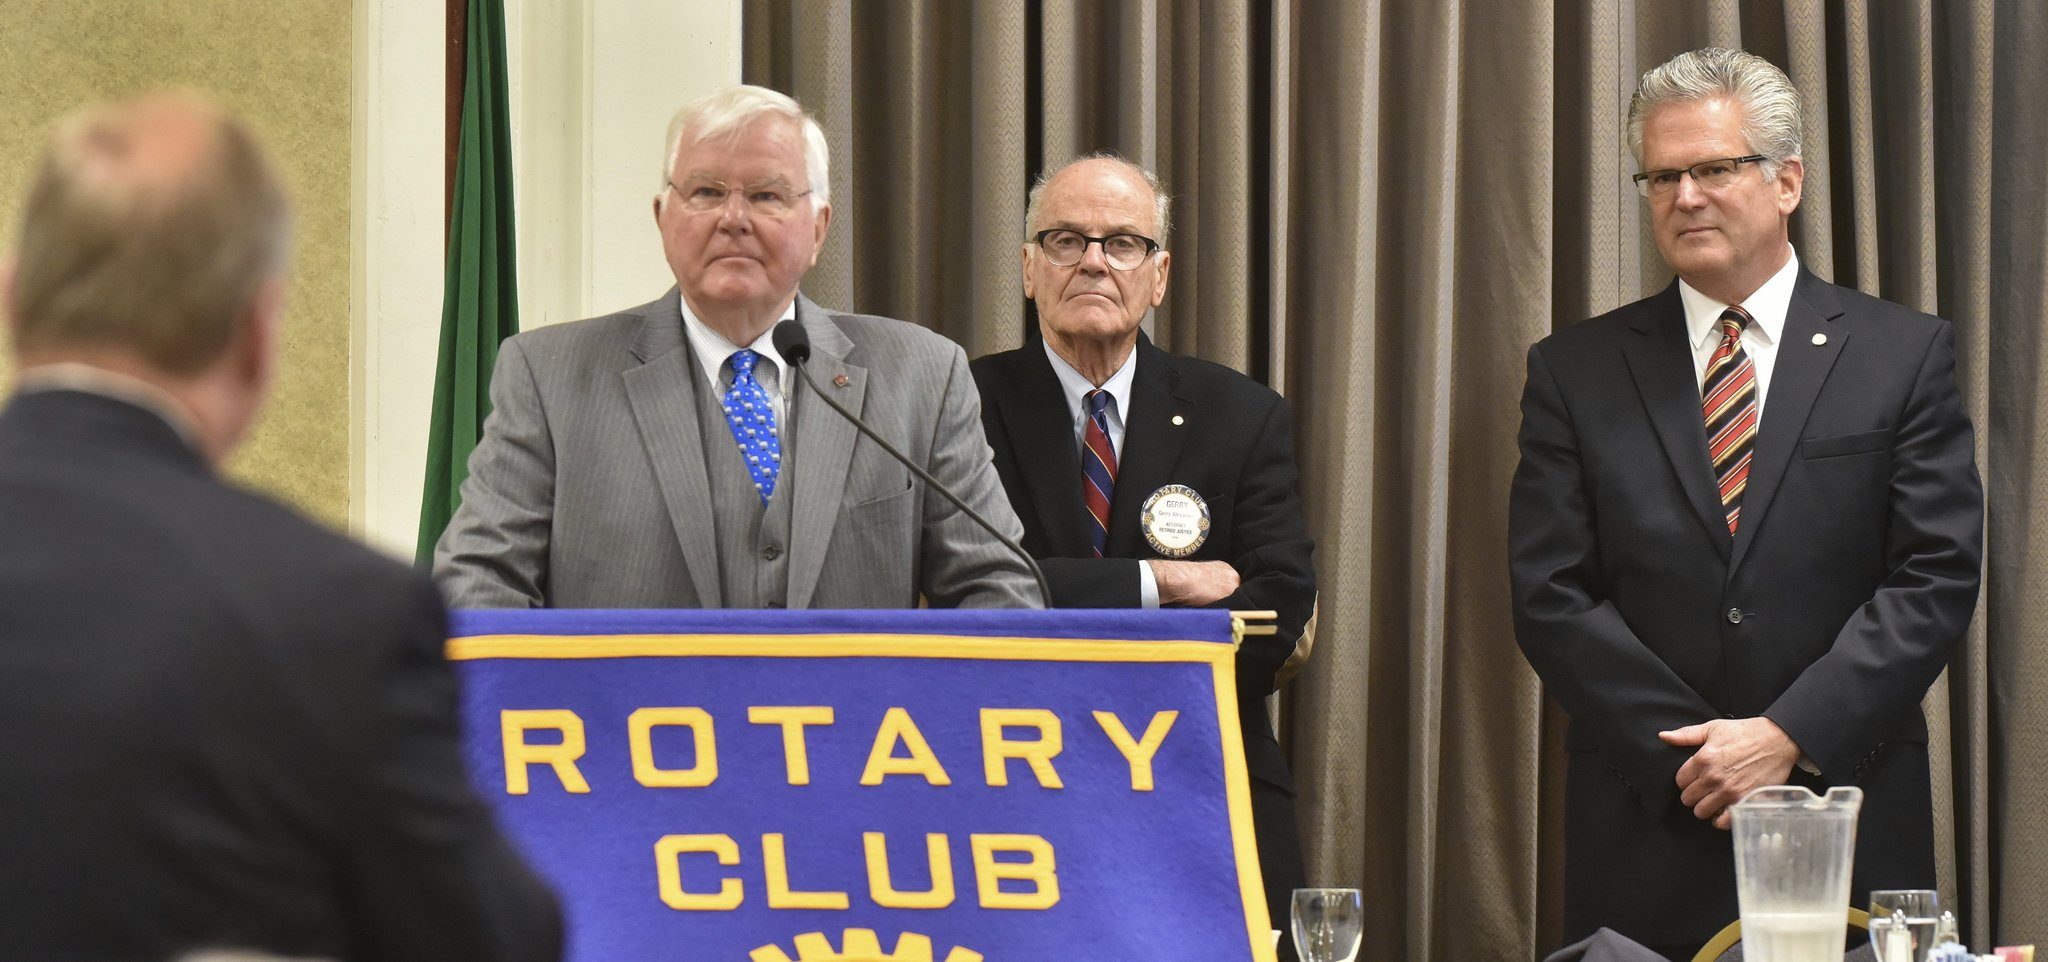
column 1380, row 205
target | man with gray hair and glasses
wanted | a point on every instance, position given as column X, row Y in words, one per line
column 1745, row 532
column 1146, row 478
column 668, row 456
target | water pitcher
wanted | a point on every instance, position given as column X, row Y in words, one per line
column 1792, row 855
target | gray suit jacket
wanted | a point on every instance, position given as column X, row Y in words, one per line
column 589, row 489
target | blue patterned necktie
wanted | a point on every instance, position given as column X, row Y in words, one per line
column 752, row 420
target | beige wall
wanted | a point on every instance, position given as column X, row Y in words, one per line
column 282, row 64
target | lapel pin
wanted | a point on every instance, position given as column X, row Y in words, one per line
column 1819, row 339
column 1178, row 420
column 840, row 380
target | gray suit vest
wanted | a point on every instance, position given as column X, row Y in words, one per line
column 753, row 541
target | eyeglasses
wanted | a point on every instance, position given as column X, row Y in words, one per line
column 773, row 198
column 1712, row 174
column 1065, row 248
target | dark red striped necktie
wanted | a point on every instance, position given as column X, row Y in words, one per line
column 1728, row 402
column 1098, row 469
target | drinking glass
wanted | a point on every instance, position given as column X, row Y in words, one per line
column 1918, row 910
column 1328, row 924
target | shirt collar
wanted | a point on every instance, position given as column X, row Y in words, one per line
column 1767, row 306
column 1077, row 387
column 87, row 379
column 713, row 350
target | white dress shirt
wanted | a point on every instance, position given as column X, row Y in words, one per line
column 1118, row 387
column 713, row 350
column 1766, row 307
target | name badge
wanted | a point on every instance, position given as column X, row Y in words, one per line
column 1175, row 521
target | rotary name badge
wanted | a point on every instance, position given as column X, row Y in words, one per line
column 1175, row 521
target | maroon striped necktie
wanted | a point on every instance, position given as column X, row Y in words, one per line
column 1098, row 469
column 1728, row 402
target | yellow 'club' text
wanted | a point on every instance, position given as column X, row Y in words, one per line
column 996, row 860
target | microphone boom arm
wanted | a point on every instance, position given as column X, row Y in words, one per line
column 932, row 483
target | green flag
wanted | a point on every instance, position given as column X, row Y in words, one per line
column 481, row 304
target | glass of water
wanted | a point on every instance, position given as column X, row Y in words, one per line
column 1917, row 910
column 1328, row 924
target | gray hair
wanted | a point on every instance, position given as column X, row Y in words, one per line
column 1162, row 202
column 728, row 111
column 119, row 249
column 1770, row 104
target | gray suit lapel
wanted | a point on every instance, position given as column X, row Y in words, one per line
column 824, row 448
column 1802, row 367
column 662, row 391
column 1660, row 361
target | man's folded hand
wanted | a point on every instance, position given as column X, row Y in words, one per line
column 1735, row 757
column 1193, row 583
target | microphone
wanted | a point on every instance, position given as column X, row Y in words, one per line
column 794, row 344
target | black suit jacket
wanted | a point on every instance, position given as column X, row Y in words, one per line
column 1234, row 446
column 224, row 726
column 1832, row 609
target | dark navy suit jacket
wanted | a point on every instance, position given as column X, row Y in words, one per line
column 1233, row 444
column 1831, row 611
column 222, row 726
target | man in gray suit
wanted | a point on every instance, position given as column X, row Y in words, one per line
column 667, row 457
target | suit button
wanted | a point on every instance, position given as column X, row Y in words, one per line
column 772, row 552
column 1735, row 616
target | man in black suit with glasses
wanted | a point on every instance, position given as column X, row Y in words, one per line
column 1145, row 478
column 1746, row 529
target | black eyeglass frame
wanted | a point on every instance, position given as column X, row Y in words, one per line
column 1642, row 179
column 1151, row 246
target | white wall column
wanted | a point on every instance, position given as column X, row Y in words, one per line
column 591, row 89
column 396, row 257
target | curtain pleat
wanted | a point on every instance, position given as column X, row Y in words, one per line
column 999, row 162
column 2018, row 477
column 821, row 37
column 1963, row 156
column 1378, row 207
column 1332, row 377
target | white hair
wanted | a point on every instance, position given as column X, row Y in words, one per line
column 728, row 111
column 1770, row 104
column 1162, row 203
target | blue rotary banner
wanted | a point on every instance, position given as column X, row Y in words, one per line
column 913, row 786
